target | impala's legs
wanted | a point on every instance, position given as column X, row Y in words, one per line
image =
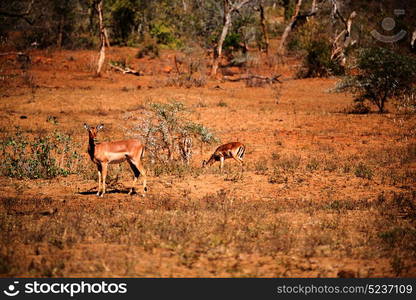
column 240, row 161
column 136, row 175
column 142, row 171
column 138, row 170
column 99, row 179
column 221, row 163
column 104, row 174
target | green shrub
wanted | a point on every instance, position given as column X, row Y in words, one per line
column 150, row 49
column 165, row 35
column 232, row 42
column 383, row 74
column 318, row 62
column 42, row 157
column 311, row 39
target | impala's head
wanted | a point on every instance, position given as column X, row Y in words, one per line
column 208, row 162
column 92, row 131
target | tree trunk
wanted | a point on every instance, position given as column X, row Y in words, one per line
column 185, row 6
column 339, row 45
column 229, row 8
column 289, row 28
column 263, row 26
column 107, row 41
column 60, row 32
column 101, row 57
column 225, row 28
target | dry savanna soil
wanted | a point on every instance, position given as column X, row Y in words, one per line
column 322, row 193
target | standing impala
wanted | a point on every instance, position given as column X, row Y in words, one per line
column 231, row 150
column 116, row 152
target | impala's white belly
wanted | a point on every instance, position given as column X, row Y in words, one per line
column 116, row 158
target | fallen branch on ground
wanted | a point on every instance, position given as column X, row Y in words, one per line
column 125, row 70
column 272, row 79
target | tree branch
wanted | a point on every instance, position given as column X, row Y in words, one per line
column 297, row 16
column 125, row 70
column 22, row 15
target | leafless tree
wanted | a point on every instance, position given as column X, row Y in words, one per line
column 263, row 25
column 343, row 39
column 296, row 17
column 228, row 7
column 101, row 57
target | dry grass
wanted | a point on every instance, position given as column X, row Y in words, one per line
column 44, row 237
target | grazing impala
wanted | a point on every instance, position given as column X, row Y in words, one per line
column 231, row 150
column 106, row 153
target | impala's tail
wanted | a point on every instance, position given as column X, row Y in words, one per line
column 240, row 152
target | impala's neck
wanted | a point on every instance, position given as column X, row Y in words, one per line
column 211, row 160
column 91, row 146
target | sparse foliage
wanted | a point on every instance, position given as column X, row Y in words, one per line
column 383, row 75
column 42, row 157
column 167, row 132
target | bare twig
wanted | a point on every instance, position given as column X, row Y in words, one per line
column 125, row 70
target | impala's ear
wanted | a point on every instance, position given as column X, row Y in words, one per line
column 204, row 163
column 100, row 127
column 86, row 126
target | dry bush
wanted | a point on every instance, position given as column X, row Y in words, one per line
column 406, row 104
column 256, row 82
column 358, row 108
column 169, row 137
column 190, row 69
column 150, row 48
column 277, row 176
column 261, row 166
column 288, row 163
column 183, row 81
